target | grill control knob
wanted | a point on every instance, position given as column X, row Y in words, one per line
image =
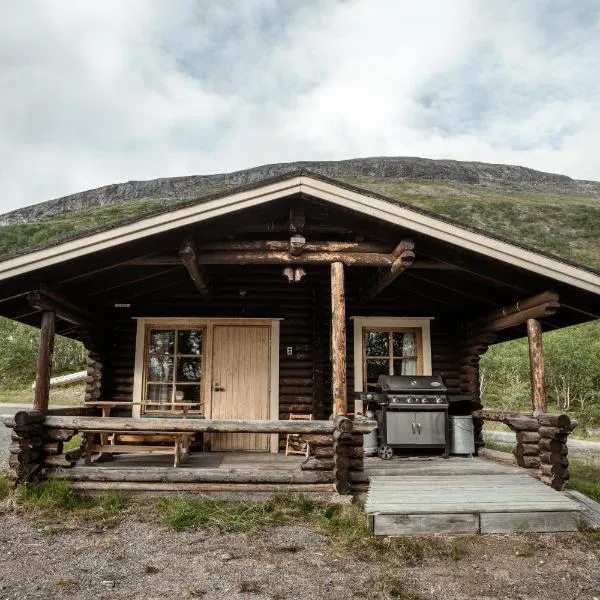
column 409, row 400
column 439, row 400
column 423, row 400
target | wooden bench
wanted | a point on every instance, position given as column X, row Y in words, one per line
column 111, row 442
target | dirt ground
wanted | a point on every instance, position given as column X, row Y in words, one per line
column 140, row 558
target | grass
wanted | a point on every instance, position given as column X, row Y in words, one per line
column 59, row 395
column 52, row 499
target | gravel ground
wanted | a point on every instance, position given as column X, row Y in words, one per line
column 142, row 559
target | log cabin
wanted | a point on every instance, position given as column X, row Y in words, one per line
column 214, row 326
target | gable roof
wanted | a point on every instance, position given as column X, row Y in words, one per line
column 330, row 190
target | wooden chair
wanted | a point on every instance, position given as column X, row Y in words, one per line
column 294, row 443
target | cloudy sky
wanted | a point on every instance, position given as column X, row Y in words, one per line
column 94, row 93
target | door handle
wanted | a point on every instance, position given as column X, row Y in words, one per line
column 419, row 428
column 217, row 387
column 413, row 428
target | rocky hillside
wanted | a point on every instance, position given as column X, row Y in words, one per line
column 548, row 211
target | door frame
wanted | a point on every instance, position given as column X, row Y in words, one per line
column 145, row 323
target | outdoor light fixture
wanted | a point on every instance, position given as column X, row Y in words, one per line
column 294, row 274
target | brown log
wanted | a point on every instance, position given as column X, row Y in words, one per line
column 403, row 259
column 189, row 258
column 42, row 301
column 44, row 361
column 35, row 441
column 530, row 462
column 53, row 448
column 342, row 423
column 555, row 470
column 296, row 244
column 554, row 482
column 338, row 339
column 518, row 307
column 27, row 458
column 282, row 246
column 327, row 452
column 550, row 445
column 28, row 417
column 472, row 352
column 537, row 312
column 554, row 458
column 59, row 435
column 536, row 366
column 24, row 445
column 527, row 450
column 555, row 420
column 551, row 432
column 319, row 440
column 528, row 437
column 59, row 461
column 350, row 259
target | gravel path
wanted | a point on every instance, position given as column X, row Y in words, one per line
column 576, row 447
column 141, row 559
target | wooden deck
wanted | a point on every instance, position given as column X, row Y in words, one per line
column 490, row 503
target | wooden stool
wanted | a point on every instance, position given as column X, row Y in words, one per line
column 294, row 443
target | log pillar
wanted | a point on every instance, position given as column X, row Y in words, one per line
column 44, row 361
column 536, row 364
column 338, row 339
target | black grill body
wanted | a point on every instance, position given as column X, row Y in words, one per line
column 412, row 413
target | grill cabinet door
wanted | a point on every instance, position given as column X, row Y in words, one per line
column 401, row 427
column 432, row 427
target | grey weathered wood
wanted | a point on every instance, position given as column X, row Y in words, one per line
column 529, row 521
column 44, row 361
column 424, row 524
column 590, row 510
column 121, row 424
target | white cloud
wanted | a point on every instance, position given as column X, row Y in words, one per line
column 96, row 93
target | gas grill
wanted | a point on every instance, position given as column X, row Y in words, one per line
column 412, row 412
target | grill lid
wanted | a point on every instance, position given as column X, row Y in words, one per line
column 411, row 383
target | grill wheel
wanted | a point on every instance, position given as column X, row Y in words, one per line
column 386, row 452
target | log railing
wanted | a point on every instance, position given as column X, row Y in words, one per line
column 541, row 442
column 38, row 438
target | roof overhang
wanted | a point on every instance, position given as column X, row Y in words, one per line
column 365, row 203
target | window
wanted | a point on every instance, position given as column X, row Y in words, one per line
column 173, row 370
column 390, row 346
column 391, row 352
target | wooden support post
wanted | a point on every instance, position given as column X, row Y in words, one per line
column 536, row 365
column 44, row 361
column 338, row 339
column 189, row 258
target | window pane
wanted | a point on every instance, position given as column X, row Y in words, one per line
column 408, row 366
column 158, row 393
column 378, row 343
column 404, row 344
column 375, row 368
column 160, row 368
column 161, row 342
column 190, row 342
column 188, row 393
column 188, row 369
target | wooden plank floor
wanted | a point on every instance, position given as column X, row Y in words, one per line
column 466, row 503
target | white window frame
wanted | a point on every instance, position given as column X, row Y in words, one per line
column 143, row 323
column 360, row 323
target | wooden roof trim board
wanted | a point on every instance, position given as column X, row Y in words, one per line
column 341, row 195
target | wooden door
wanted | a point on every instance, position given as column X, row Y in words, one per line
column 240, row 383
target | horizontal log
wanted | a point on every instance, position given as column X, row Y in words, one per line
column 350, row 259
column 555, row 470
column 28, row 459
column 327, row 452
column 120, row 424
column 555, row 420
column 554, row 482
column 326, row 464
column 529, row 462
column 552, row 458
column 59, row 461
column 515, row 420
column 517, row 307
column 551, row 445
column 537, row 312
column 190, row 475
column 28, row 417
column 24, row 444
column 527, row 450
column 553, row 432
column 282, row 246
column 145, row 487
column 59, row 435
column 528, row 437
column 53, row 448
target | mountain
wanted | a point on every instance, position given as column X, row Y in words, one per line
column 547, row 211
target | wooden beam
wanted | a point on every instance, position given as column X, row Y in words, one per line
column 338, row 339
column 519, row 306
column 44, row 361
column 536, row 366
column 546, row 309
column 297, row 244
column 402, row 256
column 350, row 259
column 282, row 246
column 45, row 300
column 189, row 258
column 434, row 265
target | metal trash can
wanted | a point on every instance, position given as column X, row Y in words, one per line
column 462, row 434
column 370, row 442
